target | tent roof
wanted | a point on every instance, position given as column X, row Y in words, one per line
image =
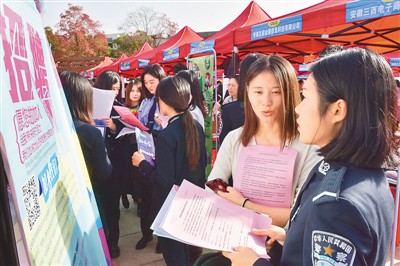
column 252, row 14
column 324, row 24
column 116, row 65
column 146, row 47
column 113, row 67
column 224, row 39
column 185, row 35
column 107, row 61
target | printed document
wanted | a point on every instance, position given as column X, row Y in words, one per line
column 202, row 218
column 264, row 174
column 145, row 144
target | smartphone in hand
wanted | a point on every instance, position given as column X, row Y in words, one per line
column 217, row 185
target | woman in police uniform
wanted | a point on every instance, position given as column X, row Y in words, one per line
column 344, row 212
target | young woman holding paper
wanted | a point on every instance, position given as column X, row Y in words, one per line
column 270, row 121
column 149, row 116
column 133, row 97
column 109, row 80
column 344, row 213
column 180, row 154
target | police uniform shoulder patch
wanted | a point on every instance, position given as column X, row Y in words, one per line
column 331, row 249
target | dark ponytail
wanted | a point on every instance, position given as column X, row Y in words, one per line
column 175, row 92
column 191, row 139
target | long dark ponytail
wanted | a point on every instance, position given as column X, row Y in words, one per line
column 175, row 92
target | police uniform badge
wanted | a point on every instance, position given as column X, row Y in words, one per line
column 324, row 167
column 331, row 249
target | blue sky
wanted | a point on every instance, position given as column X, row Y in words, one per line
column 200, row 15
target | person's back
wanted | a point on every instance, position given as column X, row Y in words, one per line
column 179, row 154
column 79, row 95
column 171, row 142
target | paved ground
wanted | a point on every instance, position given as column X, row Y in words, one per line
column 130, row 235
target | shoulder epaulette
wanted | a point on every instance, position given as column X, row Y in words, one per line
column 329, row 188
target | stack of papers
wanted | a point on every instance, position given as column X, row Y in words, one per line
column 201, row 218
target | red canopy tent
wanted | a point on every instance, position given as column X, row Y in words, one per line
column 117, row 63
column 329, row 22
column 90, row 72
column 224, row 40
column 113, row 67
column 185, row 35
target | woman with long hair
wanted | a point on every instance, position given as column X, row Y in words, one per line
column 180, row 154
column 232, row 114
column 79, row 95
column 197, row 108
column 134, row 95
column 109, row 80
column 269, row 101
column 149, row 115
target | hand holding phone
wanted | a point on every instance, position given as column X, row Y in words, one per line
column 217, row 185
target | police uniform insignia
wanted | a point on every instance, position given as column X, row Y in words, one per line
column 330, row 249
column 324, row 167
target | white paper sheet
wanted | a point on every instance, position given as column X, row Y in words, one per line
column 102, row 103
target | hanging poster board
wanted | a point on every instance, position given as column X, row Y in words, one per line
column 49, row 183
column 204, row 67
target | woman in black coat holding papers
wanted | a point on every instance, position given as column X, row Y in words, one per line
column 180, row 154
column 109, row 80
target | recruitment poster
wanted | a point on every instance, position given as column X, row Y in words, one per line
column 204, row 67
column 48, row 180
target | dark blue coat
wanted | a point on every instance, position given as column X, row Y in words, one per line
column 232, row 116
column 342, row 216
column 171, row 163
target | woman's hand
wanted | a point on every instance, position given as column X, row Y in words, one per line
column 158, row 120
column 110, row 123
column 275, row 233
column 242, row 256
column 232, row 195
column 137, row 158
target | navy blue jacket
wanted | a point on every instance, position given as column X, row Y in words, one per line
column 232, row 116
column 171, row 163
column 342, row 215
column 94, row 152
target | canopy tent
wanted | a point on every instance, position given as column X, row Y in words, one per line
column 223, row 41
column 90, row 72
column 117, row 63
column 113, row 67
column 225, row 38
column 131, row 66
column 300, row 35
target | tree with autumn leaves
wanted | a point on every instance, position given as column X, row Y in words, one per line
column 77, row 35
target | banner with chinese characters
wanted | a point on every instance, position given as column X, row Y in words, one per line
column 204, row 67
column 277, row 27
column 49, row 183
column 362, row 10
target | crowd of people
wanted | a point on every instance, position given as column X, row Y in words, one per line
column 341, row 124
